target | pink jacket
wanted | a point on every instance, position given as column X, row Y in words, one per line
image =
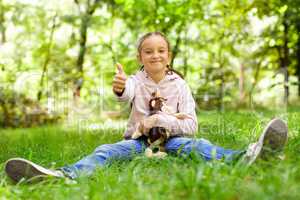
column 138, row 91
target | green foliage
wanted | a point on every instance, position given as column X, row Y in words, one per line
column 211, row 41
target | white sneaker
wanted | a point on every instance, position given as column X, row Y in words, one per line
column 21, row 169
column 271, row 140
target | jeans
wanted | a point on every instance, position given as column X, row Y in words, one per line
column 127, row 149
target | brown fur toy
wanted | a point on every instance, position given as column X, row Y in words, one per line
column 157, row 136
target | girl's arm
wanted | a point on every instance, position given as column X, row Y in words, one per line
column 187, row 126
column 122, row 87
column 128, row 92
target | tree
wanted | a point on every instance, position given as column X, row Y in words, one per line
column 47, row 58
column 2, row 22
column 85, row 16
column 288, row 18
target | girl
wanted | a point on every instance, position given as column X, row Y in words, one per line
column 154, row 54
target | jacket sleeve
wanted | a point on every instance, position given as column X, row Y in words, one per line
column 184, row 127
column 128, row 93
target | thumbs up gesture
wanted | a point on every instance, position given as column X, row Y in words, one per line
column 119, row 80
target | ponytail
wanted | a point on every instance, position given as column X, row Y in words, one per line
column 171, row 71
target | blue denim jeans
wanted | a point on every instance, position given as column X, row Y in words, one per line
column 127, row 149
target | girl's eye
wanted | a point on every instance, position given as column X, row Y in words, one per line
column 161, row 51
column 148, row 52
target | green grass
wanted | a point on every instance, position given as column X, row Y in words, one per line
column 171, row 178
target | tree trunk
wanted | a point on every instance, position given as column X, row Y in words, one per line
column 175, row 50
column 242, row 84
column 85, row 19
column 47, row 59
column 109, row 45
column 6, row 115
column 185, row 59
column 298, row 59
column 80, row 59
column 2, row 20
column 253, row 85
column 285, row 62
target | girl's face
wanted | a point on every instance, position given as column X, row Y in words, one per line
column 154, row 54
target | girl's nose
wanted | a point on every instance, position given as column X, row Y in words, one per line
column 155, row 54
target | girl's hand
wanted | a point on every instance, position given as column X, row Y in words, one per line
column 119, row 80
column 147, row 123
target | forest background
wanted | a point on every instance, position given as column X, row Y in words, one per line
column 57, row 58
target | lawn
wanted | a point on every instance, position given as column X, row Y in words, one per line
column 170, row 178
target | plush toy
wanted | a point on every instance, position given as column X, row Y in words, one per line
column 157, row 136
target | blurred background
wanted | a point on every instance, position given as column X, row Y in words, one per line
column 57, row 58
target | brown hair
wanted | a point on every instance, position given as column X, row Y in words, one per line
column 157, row 33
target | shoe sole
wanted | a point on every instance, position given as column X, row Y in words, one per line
column 272, row 140
column 274, row 136
column 20, row 169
